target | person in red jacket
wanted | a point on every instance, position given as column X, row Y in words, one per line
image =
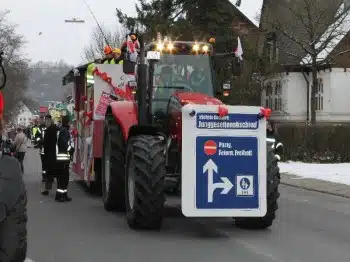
column 132, row 38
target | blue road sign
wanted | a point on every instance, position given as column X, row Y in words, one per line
column 227, row 172
column 231, row 121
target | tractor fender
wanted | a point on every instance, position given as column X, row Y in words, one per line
column 125, row 114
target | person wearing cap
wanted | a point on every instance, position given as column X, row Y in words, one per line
column 108, row 51
column 116, row 57
column 49, row 144
column 133, row 38
column 64, row 150
column 20, row 145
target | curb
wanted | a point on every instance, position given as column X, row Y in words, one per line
column 316, row 190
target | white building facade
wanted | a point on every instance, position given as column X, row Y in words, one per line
column 25, row 116
column 287, row 96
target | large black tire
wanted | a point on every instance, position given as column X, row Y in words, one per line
column 114, row 152
column 273, row 181
column 146, row 165
column 13, row 211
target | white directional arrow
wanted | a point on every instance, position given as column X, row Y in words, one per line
column 226, row 184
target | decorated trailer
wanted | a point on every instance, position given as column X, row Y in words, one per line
column 94, row 89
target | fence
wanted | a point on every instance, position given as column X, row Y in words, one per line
column 325, row 143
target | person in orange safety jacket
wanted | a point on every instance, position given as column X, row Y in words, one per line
column 108, row 51
column 116, row 57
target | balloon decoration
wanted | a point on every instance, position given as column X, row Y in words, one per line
column 89, row 117
column 222, row 111
column 74, row 132
column 118, row 91
column 264, row 113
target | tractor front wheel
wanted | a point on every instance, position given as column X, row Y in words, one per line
column 273, row 181
column 145, row 187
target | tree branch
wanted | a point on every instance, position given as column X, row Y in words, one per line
column 295, row 40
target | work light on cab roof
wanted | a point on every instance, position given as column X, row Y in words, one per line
column 182, row 47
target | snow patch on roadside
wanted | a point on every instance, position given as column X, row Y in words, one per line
column 336, row 173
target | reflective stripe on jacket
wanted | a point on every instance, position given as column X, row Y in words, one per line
column 63, row 156
column 276, row 145
column 41, row 139
column 112, row 62
column 34, row 130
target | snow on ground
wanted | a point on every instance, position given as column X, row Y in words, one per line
column 337, row 173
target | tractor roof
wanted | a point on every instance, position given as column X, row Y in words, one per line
column 69, row 77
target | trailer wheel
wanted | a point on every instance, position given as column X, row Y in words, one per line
column 145, row 187
column 273, row 181
column 113, row 171
column 13, row 211
column 95, row 187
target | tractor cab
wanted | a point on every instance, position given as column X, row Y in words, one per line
column 177, row 67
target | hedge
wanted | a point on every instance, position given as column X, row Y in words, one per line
column 326, row 143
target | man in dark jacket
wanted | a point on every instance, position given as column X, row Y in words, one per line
column 271, row 136
column 49, row 145
column 39, row 139
column 63, row 156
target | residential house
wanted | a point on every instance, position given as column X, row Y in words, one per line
column 289, row 93
column 25, row 115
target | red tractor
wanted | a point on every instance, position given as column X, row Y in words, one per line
column 141, row 147
column 142, row 141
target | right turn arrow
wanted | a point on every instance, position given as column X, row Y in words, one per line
column 226, row 184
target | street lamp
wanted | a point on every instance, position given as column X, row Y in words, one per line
column 75, row 21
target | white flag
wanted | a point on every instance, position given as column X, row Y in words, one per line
column 239, row 50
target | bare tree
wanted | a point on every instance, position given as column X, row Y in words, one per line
column 315, row 32
column 16, row 65
column 100, row 37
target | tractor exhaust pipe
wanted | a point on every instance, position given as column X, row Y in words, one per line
column 142, row 86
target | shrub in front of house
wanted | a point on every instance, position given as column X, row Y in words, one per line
column 322, row 143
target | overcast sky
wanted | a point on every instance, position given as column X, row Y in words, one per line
column 66, row 41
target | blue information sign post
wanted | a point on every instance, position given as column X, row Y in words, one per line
column 226, row 160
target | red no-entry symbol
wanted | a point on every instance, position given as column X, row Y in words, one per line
column 210, row 148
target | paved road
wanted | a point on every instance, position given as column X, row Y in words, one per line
column 311, row 227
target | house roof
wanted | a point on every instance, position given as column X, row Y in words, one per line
column 283, row 15
column 251, row 9
column 31, row 105
column 342, row 26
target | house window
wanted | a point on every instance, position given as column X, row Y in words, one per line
column 271, row 47
column 319, row 94
column 273, row 98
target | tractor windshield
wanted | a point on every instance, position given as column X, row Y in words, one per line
column 188, row 73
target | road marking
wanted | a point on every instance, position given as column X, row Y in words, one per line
column 28, row 260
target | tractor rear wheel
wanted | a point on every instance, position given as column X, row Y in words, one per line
column 273, row 181
column 113, row 171
column 145, row 187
